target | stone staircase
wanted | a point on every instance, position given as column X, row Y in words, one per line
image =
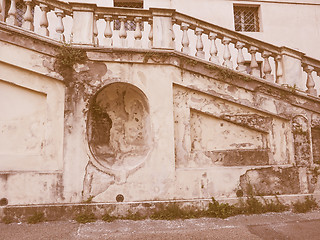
column 139, row 105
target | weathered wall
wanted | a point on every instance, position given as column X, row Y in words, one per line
column 133, row 126
column 133, row 156
column 198, row 131
column 31, row 127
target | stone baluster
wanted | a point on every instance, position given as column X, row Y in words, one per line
column 1, row 16
column 185, row 39
column 213, row 48
column 310, row 82
column 279, row 71
column 254, row 66
column 240, row 59
column 150, row 36
column 227, row 55
column 108, row 31
column 173, row 35
column 12, row 14
column 44, row 20
column 123, row 31
column 95, row 30
column 199, row 45
column 28, row 17
column 266, row 66
column 137, row 33
column 60, row 27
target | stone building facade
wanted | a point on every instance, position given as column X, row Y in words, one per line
column 165, row 106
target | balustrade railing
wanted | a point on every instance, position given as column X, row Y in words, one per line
column 40, row 16
column 87, row 24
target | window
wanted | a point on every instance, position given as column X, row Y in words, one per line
column 129, row 25
column 246, row 18
column 128, row 3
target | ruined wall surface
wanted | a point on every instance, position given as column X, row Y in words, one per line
column 31, row 127
column 134, row 126
column 119, row 125
column 150, row 131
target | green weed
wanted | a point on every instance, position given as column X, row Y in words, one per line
column 67, row 56
column 173, row 211
column 85, row 217
column 220, row 210
column 37, row 217
column 108, row 218
column 306, row 206
column 7, row 219
column 134, row 216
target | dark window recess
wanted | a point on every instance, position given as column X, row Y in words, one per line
column 246, row 19
column 129, row 25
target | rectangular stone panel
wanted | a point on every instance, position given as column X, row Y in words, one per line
column 22, row 125
column 209, row 133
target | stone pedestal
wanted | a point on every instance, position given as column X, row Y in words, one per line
column 83, row 23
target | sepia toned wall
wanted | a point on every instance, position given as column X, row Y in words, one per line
column 136, row 125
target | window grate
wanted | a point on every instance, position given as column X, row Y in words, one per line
column 129, row 25
column 246, row 19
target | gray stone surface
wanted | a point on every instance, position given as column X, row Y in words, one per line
column 266, row 226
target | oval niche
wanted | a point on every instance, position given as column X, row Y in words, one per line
column 119, row 129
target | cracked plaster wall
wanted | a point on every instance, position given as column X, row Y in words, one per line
column 228, row 138
column 163, row 133
column 133, row 156
column 31, row 128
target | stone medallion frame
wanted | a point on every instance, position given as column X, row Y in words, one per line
column 118, row 130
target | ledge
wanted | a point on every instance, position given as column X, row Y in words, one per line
column 57, row 212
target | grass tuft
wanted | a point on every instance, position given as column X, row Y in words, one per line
column 37, row 217
column 307, row 205
column 85, row 217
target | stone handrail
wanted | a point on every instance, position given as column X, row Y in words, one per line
column 167, row 29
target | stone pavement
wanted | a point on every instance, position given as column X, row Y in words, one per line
column 278, row 226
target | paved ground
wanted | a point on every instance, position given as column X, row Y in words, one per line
column 266, row 226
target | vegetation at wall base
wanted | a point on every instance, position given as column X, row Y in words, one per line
column 307, row 205
column 171, row 211
column 7, row 220
column 37, row 217
column 86, row 217
column 108, row 218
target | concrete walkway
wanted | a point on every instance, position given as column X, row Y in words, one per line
column 265, row 226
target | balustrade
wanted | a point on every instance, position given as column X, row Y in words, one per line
column 153, row 28
column 39, row 9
